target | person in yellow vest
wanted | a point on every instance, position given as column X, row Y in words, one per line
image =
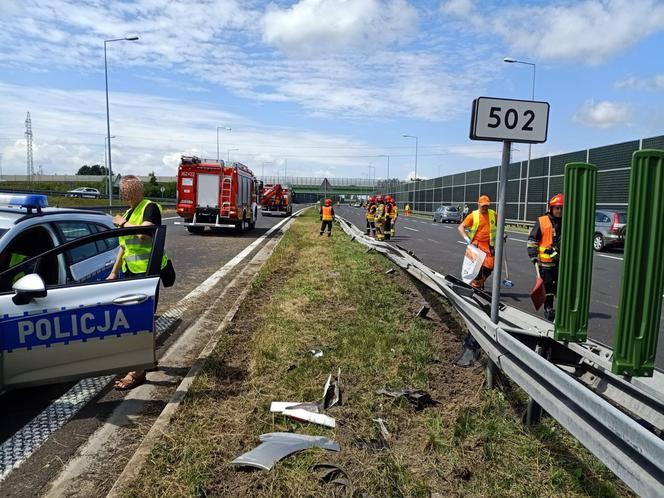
column 395, row 211
column 8, row 260
column 380, row 218
column 371, row 212
column 481, row 226
column 134, row 254
column 327, row 216
column 387, row 229
column 406, row 210
column 544, row 250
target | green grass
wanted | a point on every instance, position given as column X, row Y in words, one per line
column 329, row 294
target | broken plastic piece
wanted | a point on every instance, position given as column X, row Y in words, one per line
column 424, row 310
column 332, row 391
column 277, row 445
column 316, row 353
column 280, row 406
column 383, row 429
column 421, row 399
column 307, row 416
column 333, row 474
column 469, row 354
column 390, row 271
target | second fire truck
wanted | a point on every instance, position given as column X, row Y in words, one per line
column 215, row 194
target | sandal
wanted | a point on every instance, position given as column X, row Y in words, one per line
column 129, row 381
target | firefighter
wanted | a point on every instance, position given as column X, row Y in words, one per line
column 387, row 229
column 380, row 218
column 395, row 211
column 406, row 209
column 371, row 211
column 327, row 216
column 544, row 250
column 481, row 226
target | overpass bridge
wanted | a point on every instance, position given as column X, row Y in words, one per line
column 311, row 188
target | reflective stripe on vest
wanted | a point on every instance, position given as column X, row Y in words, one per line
column 476, row 226
column 395, row 210
column 137, row 251
column 327, row 213
column 546, row 240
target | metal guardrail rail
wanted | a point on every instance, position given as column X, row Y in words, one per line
column 607, row 413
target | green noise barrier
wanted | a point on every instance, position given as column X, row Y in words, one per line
column 640, row 305
column 576, row 253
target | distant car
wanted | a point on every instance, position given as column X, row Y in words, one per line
column 610, row 228
column 447, row 214
column 84, row 193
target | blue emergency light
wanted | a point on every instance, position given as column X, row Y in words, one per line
column 28, row 201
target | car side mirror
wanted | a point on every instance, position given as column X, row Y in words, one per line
column 27, row 288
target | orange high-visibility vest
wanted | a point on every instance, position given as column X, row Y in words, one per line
column 546, row 241
column 327, row 213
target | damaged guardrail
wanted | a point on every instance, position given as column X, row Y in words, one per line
column 573, row 383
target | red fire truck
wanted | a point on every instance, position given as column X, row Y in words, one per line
column 215, row 194
column 276, row 199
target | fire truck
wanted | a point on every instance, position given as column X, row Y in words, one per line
column 276, row 199
column 215, row 194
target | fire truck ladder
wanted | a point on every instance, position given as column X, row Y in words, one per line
column 226, row 189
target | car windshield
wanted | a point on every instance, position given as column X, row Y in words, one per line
column 452, row 209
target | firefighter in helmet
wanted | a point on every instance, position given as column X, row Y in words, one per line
column 380, row 218
column 388, row 217
column 544, row 250
column 395, row 212
column 371, row 212
column 327, row 216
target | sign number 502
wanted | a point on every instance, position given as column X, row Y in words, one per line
column 506, row 119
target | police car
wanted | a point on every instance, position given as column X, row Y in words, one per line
column 60, row 319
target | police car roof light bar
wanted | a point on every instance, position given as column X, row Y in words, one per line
column 28, row 201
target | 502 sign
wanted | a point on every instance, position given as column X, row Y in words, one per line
column 512, row 120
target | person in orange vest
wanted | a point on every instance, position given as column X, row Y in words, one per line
column 371, row 213
column 327, row 216
column 406, row 209
column 395, row 211
column 544, row 250
column 481, row 226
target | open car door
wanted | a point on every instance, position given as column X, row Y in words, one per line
column 53, row 333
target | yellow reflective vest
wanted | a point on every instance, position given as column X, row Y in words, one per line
column 137, row 250
column 476, row 225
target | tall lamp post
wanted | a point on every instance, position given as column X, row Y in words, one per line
column 227, row 128
column 511, row 60
column 108, row 118
column 109, row 179
column 228, row 154
column 416, row 143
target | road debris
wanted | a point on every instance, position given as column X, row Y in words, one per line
column 333, row 474
column 277, row 445
column 420, row 399
column 390, row 271
column 383, row 430
column 332, row 391
column 423, row 312
column 307, row 416
column 316, row 353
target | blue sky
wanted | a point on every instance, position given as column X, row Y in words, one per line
column 322, row 87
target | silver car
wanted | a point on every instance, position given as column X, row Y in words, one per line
column 447, row 214
column 610, row 228
column 84, row 193
column 61, row 319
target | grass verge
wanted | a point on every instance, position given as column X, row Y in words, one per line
column 328, row 293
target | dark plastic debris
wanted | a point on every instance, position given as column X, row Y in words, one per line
column 390, row 271
column 332, row 474
column 469, row 354
column 423, row 312
column 420, row 399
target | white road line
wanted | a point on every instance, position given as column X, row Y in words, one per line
column 461, row 242
column 411, row 229
column 170, row 218
column 517, row 240
column 611, row 257
column 18, row 448
column 434, row 241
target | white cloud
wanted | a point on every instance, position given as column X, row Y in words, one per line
column 69, row 129
column 590, row 31
column 655, row 83
column 457, row 7
column 314, row 26
column 603, row 114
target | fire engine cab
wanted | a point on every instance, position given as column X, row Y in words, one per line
column 215, row 194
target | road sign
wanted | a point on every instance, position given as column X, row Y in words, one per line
column 506, row 119
column 162, row 190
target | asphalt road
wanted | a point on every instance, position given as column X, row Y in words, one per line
column 439, row 246
column 195, row 257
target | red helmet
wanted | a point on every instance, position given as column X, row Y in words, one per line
column 328, row 202
column 379, row 198
column 372, row 199
column 388, row 198
column 556, row 200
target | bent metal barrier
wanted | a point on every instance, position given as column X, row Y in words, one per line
column 605, row 412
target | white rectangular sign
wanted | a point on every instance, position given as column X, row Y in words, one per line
column 506, row 119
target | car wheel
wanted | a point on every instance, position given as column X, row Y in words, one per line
column 598, row 242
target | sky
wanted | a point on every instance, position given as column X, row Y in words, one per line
column 319, row 87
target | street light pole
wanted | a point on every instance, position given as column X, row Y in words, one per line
column 108, row 118
column 227, row 128
column 511, row 60
column 416, row 147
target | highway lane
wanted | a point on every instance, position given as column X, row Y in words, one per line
column 195, row 257
column 439, row 246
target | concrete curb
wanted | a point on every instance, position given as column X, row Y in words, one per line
column 160, row 426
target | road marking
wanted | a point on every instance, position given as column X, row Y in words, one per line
column 517, row 240
column 611, row 257
column 411, row 229
column 170, row 218
column 434, row 241
column 18, row 448
column 461, row 242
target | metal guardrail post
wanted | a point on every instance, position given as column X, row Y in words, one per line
column 576, row 253
column 640, row 306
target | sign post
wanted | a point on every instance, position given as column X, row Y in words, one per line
column 507, row 121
